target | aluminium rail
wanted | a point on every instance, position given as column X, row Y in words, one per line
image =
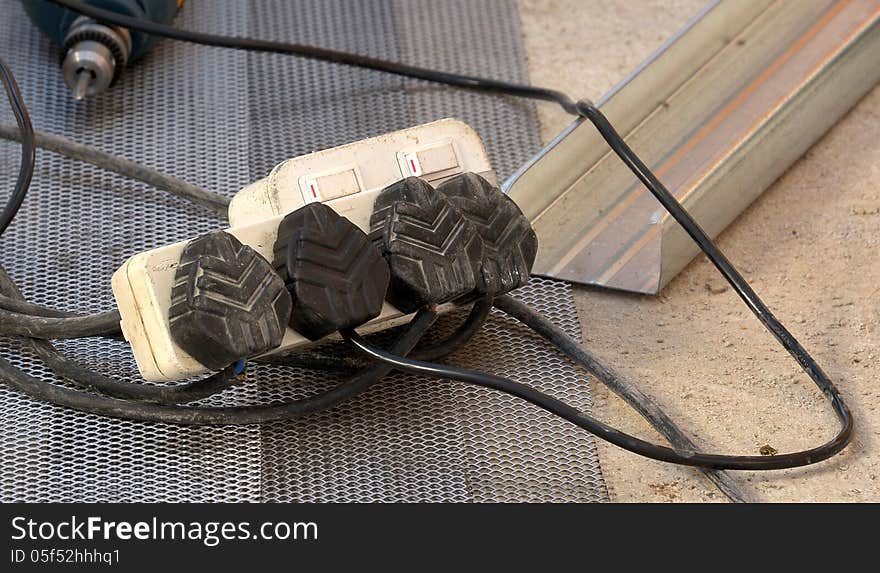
column 719, row 113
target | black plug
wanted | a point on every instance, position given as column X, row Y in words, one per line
column 227, row 302
column 433, row 252
column 336, row 277
column 509, row 242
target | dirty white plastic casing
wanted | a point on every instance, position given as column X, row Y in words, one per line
column 433, row 151
column 142, row 285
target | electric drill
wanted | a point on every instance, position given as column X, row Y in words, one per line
column 96, row 53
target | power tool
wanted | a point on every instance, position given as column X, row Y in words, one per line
column 94, row 53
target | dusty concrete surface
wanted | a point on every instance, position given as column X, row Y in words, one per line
column 810, row 247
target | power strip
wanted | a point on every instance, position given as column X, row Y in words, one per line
column 347, row 178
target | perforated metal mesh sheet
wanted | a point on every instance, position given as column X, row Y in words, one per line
column 222, row 119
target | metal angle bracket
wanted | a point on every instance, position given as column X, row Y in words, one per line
column 719, row 112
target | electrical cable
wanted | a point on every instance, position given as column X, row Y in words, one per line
column 192, row 415
column 733, row 277
column 321, row 54
column 28, row 151
column 318, row 360
column 83, row 377
column 125, row 167
column 638, row 400
column 588, row 423
column 31, row 326
column 642, row 403
column 25, row 307
column 462, row 335
column 21, row 306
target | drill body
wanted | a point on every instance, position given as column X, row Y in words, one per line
column 96, row 53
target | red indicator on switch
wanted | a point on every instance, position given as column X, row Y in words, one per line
column 330, row 186
column 309, row 190
column 413, row 164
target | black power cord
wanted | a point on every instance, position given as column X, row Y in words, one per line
column 321, row 54
column 17, row 324
column 31, row 309
column 586, row 422
column 125, row 167
column 28, row 147
column 431, row 352
column 179, row 414
column 638, row 400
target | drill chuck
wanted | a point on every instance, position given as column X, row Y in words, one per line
column 95, row 53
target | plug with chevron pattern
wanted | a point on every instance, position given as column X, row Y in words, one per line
column 464, row 240
column 433, row 252
column 336, row 278
column 509, row 242
column 227, row 302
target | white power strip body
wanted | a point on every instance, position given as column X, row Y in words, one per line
column 346, row 178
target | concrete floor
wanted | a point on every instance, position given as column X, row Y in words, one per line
column 809, row 246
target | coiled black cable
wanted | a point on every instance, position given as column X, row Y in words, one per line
column 150, row 411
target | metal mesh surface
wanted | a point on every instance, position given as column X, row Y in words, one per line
column 221, row 119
